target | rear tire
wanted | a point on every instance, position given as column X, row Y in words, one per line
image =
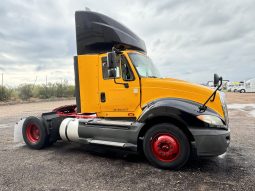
column 34, row 133
column 166, row 146
column 242, row 91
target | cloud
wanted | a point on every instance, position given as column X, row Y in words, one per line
column 189, row 40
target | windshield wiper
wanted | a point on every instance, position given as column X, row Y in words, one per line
column 152, row 77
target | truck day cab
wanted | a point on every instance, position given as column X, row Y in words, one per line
column 121, row 101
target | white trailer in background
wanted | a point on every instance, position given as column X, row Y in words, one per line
column 250, row 85
column 235, row 87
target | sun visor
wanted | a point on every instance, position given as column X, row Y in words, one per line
column 97, row 33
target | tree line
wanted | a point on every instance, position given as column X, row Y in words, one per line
column 26, row 92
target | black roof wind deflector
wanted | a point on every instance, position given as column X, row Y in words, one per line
column 97, row 33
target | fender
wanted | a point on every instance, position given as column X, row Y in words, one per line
column 184, row 111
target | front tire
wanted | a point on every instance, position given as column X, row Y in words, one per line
column 34, row 133
column 166, row 146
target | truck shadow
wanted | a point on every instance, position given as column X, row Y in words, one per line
column 223, row 164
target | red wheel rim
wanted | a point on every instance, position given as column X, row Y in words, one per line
column 165, row 147
column 33, row 133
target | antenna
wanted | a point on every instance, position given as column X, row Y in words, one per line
column 87, row 9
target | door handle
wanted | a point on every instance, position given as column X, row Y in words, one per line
column 102, row 97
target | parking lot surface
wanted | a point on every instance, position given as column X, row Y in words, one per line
column 66, row 166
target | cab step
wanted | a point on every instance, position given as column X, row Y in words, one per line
column 129, row 146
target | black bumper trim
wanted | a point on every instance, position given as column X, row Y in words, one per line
column 211, row 142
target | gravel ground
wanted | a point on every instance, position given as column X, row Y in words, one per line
column 72, row 167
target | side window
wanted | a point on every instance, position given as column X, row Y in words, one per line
column 106, row 70
column 127, row 74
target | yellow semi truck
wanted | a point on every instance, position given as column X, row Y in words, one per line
column 122, row 101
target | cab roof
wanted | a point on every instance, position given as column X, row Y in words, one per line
column 98, row 33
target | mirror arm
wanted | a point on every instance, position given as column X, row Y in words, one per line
column 203, row 107
column 125, row 84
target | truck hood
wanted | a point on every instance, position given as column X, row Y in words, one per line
column 158, row 88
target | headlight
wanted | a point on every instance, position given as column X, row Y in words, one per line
column 211, row 119
column 224, row 107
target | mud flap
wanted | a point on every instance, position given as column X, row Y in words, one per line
column 18, row 137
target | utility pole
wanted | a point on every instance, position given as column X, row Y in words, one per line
column 2, row 95
column 61, row 86
column 46, row 88
column 35, row 82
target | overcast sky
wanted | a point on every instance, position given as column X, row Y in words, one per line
column 187, row 39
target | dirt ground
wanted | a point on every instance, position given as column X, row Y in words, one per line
column 246, row 98
column 67, row 166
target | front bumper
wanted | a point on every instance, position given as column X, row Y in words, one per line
column 211, row 142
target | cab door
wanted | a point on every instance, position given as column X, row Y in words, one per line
column 119, row 97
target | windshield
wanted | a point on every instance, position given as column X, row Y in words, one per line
column 144, row 65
